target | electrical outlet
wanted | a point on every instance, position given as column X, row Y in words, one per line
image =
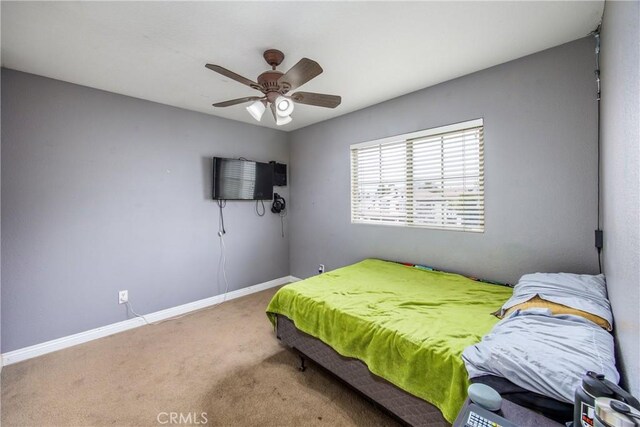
column 320, row 268
column 123, row 297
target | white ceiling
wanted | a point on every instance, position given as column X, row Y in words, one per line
column 370, row 51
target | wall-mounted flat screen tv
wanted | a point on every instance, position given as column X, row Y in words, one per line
column 237, row 179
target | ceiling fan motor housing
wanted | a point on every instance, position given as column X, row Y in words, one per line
column 269, row 82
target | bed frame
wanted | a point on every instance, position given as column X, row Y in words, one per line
column 405, row 407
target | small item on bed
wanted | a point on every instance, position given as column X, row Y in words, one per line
column 474, row 278
column 563, row 293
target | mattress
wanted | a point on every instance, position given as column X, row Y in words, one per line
column 409, row 326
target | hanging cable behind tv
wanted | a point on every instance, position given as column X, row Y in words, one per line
column 599, row 237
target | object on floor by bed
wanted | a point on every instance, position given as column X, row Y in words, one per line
column 562, row 412
column 408, row 325
column 593, row 388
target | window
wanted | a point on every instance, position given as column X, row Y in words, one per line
column 431, row 179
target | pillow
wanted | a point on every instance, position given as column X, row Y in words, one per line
column 580, row 292
column 556, row 309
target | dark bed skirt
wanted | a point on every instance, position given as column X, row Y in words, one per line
column 403, row 406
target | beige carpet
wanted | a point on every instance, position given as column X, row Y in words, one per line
column 224, row 361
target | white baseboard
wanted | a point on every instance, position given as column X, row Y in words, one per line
column 25, row 353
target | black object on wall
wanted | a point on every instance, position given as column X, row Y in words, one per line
column 279, row 204
column 241, row 179
column 279, row 174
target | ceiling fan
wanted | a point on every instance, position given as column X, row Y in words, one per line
column 275, row 85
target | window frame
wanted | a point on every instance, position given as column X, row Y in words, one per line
column 408, row 138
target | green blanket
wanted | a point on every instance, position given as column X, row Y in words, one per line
column 408, row 325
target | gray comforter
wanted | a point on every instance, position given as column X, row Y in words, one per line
column 543, row 353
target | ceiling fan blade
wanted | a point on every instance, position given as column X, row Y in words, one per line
column 234, row 76
column 237, row 101
column 305, row 70
column 317, row 99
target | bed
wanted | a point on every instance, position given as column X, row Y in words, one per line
column 394, row 332
column 411, row 340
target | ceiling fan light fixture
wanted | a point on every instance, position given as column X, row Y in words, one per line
column 283, row 120
column 280, row 120
column 256, row 109
column 284, row 106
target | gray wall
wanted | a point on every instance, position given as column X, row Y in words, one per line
column 103, row 192
column 621, row 180
column 540, row 165
column 0, row 202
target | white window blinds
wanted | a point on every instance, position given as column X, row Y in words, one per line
column 431, row 179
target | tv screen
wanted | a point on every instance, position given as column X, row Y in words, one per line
column 235, row 179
